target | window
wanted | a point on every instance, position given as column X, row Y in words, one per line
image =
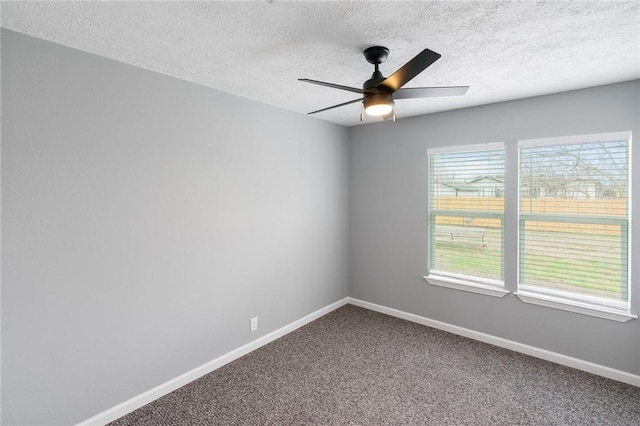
column 567, row 204
column 574, row 222
column 466, row 218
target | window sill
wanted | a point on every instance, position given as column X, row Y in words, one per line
column 574, row 306
column 463, row 285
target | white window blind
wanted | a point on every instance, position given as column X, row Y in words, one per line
column 574, row 218
column 466, row 214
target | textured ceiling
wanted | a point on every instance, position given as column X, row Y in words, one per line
column 502, row 50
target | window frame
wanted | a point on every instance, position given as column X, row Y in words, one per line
column 485, row 286
column 564, row 300
column 620, row 312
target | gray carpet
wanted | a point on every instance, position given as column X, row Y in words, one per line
column 358, row 367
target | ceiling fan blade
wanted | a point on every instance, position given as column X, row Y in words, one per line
column 336, row 106
column 334, row 86
column 429, row 92
column 409, row 70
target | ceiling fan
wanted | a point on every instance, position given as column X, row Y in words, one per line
column 378, row 93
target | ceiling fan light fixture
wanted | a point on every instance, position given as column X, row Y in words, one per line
column 378, row 104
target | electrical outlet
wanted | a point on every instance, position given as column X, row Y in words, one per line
column 254, row 324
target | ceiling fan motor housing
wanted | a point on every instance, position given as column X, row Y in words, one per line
column 371, row 84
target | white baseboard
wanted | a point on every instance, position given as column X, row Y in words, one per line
column 146, row 397
column 565, row 360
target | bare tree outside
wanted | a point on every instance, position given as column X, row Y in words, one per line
column 581, row 171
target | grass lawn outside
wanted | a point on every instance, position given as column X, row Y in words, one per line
column 577, row 263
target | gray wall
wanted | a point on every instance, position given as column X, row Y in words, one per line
column 387, row 219
column 144, row 221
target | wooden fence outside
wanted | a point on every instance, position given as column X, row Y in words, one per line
column 544, row 206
